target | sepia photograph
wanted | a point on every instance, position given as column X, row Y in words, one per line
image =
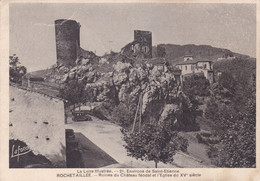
column 132, row 85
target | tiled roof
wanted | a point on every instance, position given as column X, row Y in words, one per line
column 187, row 62
column 192, row 62
column 204, row 61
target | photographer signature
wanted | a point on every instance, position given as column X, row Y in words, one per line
column 17, row 152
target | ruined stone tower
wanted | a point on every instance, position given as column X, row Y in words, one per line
column 141, row 47
column 67, row 41
column 144, row 38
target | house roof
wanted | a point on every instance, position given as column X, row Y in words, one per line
column 192, row 62
column 204, row 61
column 187, row 62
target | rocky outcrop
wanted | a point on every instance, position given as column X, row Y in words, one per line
column 116, row 79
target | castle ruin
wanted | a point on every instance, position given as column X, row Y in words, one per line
column 67, row 41
column 141, row 47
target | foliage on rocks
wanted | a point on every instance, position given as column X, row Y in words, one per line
column 123, row 114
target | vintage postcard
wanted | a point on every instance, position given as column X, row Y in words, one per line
column 129, row 90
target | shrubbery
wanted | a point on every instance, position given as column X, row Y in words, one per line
column 234, row 122
column 237, row 134
column 123, row 115
column 196, row 86
column 16, row 70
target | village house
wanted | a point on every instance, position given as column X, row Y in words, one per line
column 190, row 66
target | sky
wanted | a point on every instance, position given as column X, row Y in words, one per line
column 106, row 27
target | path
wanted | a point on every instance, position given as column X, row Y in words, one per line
column 108, row 137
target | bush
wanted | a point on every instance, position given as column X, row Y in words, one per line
column 188, row 114
column 211, row 109
column 74, row 92
column 123, row 115
column 227, row 81
column 196, row 86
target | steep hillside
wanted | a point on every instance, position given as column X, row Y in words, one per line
column 175, row 53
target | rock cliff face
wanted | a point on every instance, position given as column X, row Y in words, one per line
column 116, row 78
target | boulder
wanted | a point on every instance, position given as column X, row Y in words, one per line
column 103, row 61
column 121, row 67
column 120, row 78
column 85, row 61
column 142, row 74
column 71, row 75
column 65, row 78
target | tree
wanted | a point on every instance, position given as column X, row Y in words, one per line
column 236, row 128
column 154, row 142
column 237, row 134
column 227, row 81
column 123, row 114
column 189, row 112
column 211, row 109
column 16, row 70
column 74, row 92
column 196, row 86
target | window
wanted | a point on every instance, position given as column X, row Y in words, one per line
column 186, row 67
column 145, row 49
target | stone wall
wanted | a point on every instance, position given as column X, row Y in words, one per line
column 38, row 121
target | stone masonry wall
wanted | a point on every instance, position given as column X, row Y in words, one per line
column 38, row 120
column 67, row 41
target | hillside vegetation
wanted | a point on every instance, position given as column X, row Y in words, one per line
column 175, row 53
column 231, row 112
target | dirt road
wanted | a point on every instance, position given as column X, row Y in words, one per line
column 108, row 137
